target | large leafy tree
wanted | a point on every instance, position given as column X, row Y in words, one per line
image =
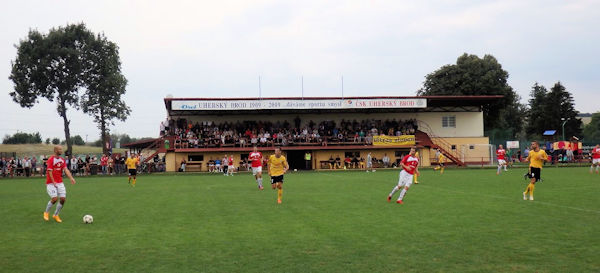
column 591, row 132
column 51, row 66
column 472, row 75
column 105, row 86
column 548, row 110
column 59, row 65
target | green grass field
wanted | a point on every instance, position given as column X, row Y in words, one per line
column 461, row 221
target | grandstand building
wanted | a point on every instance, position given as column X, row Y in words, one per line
column 200, row 129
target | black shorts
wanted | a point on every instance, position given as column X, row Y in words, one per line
column 536, row 173
column 132, row 172
column 441, row 164
column 277, row 179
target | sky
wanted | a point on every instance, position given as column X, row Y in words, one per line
column 380, row 48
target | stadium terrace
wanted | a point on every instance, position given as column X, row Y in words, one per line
column 321, row 132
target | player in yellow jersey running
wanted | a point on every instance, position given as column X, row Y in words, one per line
column 441, row 162
column 132, row 162
column 536, row 160
column 277, row 166
column 416, row 175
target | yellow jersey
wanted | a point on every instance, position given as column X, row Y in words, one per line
column 536, row 159
column 441, row 158
column 131, row 163
column 277, row 164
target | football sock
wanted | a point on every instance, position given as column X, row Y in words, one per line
column 259, row 181
column 49, row 206
column 499, row 168
column 58, row 208
column 442, row 171
column 505, row 168
column 527, row 189
column 531, row 190
column 279, row 194
column 591, row 168
column 394, row 190
column 416, row 176
column 597, row 166
column 134, row 181
column 402, row 193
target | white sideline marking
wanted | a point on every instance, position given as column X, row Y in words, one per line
column 496, row 196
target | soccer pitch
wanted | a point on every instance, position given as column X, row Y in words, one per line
column 462, row 221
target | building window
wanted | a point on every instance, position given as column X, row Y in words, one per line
column 448, row 121
column 471, row 147
column 453, row 147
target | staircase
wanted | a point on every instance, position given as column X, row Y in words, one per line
column 155, row 148
column 427, row 138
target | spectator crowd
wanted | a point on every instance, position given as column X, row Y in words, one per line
column 266, row 133
column 78, row 165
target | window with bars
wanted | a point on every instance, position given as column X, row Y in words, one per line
column 448, row 121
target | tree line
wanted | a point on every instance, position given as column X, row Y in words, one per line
column 545, row 110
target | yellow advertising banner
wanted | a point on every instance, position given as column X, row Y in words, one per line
column 394, row 140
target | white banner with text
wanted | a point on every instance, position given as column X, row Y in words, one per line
column 296, row 104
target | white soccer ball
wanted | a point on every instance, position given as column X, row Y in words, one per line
column 88, row 219
column 295, row 170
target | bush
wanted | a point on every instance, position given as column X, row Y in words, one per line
column 55, row 141
column 23, row 138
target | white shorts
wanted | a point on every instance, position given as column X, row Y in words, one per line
column 596, row 161
column 218, row 166
column 369, row 164
column 501, row 162
column 256, row 170
column 405, row 179
column 59, row 190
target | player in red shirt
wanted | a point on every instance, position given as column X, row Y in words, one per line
column 501, row 155
column 410, row 166
column 595, row 158
column 230, row 165
column 54, row 183
column 257, row 162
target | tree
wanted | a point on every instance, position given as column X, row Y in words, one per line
column 548, row 110
column 105, row 86
column 560, row 105
column 47, row 141
column 55, row 141
column 536, row 122
column 591, row 132
column 23, row 138
column 77, row 140
column 51, row 66
column 472, row 75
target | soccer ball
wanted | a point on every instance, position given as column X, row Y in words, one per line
column 295, row 170
column 88, row 219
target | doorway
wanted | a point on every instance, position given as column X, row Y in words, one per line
column 296, row 159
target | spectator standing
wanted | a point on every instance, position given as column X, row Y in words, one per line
column 74, row 166
column 27, row 166
column 386, row 161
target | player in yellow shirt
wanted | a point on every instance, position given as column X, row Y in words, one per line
column 536, row 160
column 416, row 176
column 441, row 162
column 277, row 166
column 132, row 162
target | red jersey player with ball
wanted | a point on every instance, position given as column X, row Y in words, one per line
column 257, row 159
column 54, row 184
column 410, row 166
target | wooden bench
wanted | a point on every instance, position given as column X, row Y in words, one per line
column 192, row 164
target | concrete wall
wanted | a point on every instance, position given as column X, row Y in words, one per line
column 468, row 124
